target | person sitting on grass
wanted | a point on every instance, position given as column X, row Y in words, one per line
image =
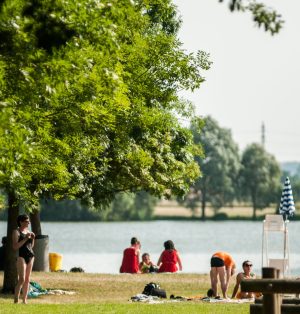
column 246, row 274
column 146, row 266
column 169, row 259
column 130, row 262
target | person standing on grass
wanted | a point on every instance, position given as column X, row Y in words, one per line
column 23, row 242
column 169, row 259
column 131, row 256
column 222, row 267
column 246, row 274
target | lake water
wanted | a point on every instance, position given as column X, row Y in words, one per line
column 97, row 246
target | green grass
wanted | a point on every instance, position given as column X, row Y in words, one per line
column 104, row 293
column 179, row 308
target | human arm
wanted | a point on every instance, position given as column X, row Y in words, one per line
column 33, row 239
column 237, row 284
column 179, row 261
column 159, row 261
column 15, row 240
column 137, row 253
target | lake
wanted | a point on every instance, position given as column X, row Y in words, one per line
column 97, row 246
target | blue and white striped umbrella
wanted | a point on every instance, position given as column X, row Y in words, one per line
column 287, row 206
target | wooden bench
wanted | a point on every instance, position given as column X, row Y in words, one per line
column 271, row 287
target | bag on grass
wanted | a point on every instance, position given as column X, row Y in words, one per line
column 154, row 290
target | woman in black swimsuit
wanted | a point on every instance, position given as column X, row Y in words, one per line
column 23, row 242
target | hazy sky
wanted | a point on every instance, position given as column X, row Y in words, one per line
column 254, row 77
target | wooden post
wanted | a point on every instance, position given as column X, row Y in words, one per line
column 270, row 301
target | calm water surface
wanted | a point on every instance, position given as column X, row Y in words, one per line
column 97, row 246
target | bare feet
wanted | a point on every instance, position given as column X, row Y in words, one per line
column 16, row 300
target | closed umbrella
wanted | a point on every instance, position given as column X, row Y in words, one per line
column 287, row 209
column 287, row 206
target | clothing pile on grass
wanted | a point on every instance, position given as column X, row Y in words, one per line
column 153, row 293
column 35, row 290
column 221, row 300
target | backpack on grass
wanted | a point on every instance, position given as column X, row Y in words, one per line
column 154, row 290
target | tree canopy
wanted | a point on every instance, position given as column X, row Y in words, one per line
column 89, row 99
column 259, row 177
column 219, row 167
column 89, row 103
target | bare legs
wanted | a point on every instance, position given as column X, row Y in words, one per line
column 214, row 280
column 216, row 272
column 224, row 285
column 24, row 271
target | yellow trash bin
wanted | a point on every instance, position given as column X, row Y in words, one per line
column 55, row 261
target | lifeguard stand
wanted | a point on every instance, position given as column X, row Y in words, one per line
column 275, row 223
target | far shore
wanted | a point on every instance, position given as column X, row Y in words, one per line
column 172, row 209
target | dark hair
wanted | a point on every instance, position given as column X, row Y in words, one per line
column 134, row 240
column 22, row 218
column 145, row 254
column 169, row 245
column 246, row 262
column 210, row 293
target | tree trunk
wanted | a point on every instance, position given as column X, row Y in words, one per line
column 253, row 196
column 10, row 269
column 203, row 205
column 35, row 221
column 254, row 212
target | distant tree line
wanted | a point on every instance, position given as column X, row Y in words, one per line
column 253, row 177
column 125, row 207
column 226, row 176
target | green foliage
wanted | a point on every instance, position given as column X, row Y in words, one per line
column 130, row 206
column 259, row 177
column 219, row 167
column 66, row 210
column 261, row 14
column 89, row 103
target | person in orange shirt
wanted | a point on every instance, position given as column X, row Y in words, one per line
column 222, row 267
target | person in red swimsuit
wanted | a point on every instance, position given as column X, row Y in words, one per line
column 130, row 262
column 169, row 259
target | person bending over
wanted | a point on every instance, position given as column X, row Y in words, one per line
column 222, row 267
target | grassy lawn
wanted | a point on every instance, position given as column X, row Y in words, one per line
column 104, row 293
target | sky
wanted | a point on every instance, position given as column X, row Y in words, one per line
column 254, row 78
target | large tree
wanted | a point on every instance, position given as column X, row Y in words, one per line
column 89, row 105
column 219, row 166
column 259, row 177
